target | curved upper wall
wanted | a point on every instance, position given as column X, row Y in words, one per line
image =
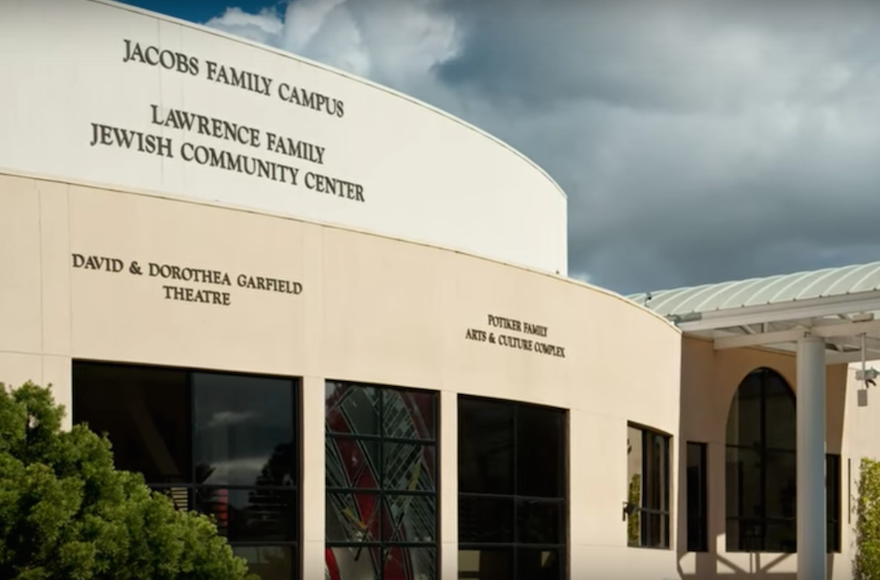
column 112, row 95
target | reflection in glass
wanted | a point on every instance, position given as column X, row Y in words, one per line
column 268, row 562
column 539, row 564
column 145, row 412
column 634, row 463
column 656, row 492
column 486, row 564
column 250, row 514
column 182, row 429
column 241, row 425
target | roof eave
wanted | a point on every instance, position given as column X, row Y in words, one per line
column 790, row 310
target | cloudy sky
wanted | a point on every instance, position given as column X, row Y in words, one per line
column 698, row 141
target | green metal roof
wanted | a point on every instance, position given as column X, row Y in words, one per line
column 781, row 289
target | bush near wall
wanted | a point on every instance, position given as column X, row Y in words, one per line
column 867, row 559
column 67, row 513
column 633, row 528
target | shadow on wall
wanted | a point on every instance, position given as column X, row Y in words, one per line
column 747, row 479
column 711, row 565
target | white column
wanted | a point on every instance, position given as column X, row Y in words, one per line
column 811, row 526
column 448, row 485
column 313, row 477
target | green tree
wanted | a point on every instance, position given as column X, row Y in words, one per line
column 66, row 512
column 867, row 560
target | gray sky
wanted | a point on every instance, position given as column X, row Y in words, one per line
column 698, row 141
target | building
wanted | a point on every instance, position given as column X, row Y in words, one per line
column 339, row 321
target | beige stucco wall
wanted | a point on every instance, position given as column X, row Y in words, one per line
column 372, row 309
column 861, row 438
column 709, row 381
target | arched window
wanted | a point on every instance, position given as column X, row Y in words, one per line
column 761, row 465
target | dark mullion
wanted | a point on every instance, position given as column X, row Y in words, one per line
column 381, row 483
column 383, row 546
column 516, row 411
column 772, row 520
column 341, row 544
column 762, row 458
column 298, row 460
column 771, row 449
column 438, row 487
column 643, row 523
column 236, row 487
column 509, row 546
column 655, row 512
column 647, row 456
column 191, row 397
column 381, row 439
column 438, row 502
column 261, row 544
column 509, row 496
column 375, row 491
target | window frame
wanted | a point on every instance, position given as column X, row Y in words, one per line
column 190, row 486
column 648, row 435
column 515, row 546
column 380, row 491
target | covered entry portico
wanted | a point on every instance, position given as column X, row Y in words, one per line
column 824, row 317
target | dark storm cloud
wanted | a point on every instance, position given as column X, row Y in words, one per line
column 697, row 141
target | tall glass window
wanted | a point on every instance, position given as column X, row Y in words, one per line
column 761, row 465
column 697, row 498
column 512, row 505
column 832, row 501
column 647, row 488
column 223, row 444
column 762, row 469
column 381, row 474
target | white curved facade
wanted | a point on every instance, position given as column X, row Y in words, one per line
column 107, row 94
